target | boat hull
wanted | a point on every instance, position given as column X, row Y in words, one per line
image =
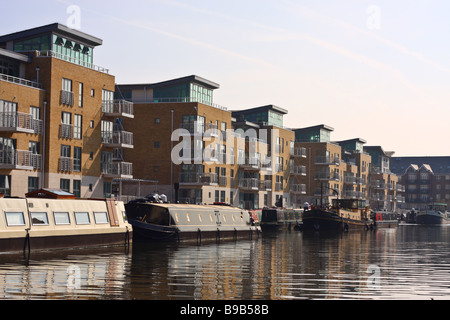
column 318, row 220
column 155, row 233
column 431, row 219
column 64, row 242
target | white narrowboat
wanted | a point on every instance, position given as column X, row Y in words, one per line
column 165, row 221
column 51, row 219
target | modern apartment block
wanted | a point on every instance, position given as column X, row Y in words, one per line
column 426, row 179
column 199, row 152
column 386, row 191
column 59, row 125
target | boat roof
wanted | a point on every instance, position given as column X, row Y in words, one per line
column 195, row 206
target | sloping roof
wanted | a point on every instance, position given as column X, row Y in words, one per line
column 57, row 28
column 50, row 194
column 437, row 165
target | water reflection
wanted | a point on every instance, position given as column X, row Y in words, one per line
column 409, row 262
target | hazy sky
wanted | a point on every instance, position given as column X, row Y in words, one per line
column 376, row 70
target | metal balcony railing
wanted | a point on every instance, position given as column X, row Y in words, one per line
column 117, row 169
column 118, row 108
column 20, row 159
column 67, row 98
column 117, row 139
column 19, row 122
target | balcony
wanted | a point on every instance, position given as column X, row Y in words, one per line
column 379, row 185
column 223, row 181
column 298, row 152
column 66, row 131
column 53, row 54
column 117, row 170
column 251, row 162
column 298, row 188
column 117, row 139
column 327, row 160
column 19, row 122
column 118, row 109
column 67, row 98
column 20, row 159
column 23, row 82
column 266, row 185
column 65, row 164
column 200, row 179
column 298, row 170
column 326, row 176
column 251, row 184
column 400, row 188
column 349, row 179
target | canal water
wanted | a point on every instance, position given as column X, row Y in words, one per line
column 408, row 262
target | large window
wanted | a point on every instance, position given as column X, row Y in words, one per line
column 77, row 188
column 77, row 159
column 39, row 218
column 79, row 53
column 61, row 218
column 41, row 43
column 5, row 185
column 15, row 218
column 77, row 126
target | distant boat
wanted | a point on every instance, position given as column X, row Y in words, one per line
column 436, row 213
column 384, row 219
column 281, row 218
column 343, row 215
column 153, row 221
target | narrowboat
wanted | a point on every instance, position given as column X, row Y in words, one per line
column 384, row 219
column 156, row 221
column 281, row 218
column 436, row 213
column 343, row 215
column 53, row 219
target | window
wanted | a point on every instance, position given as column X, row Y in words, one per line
column 107, row 189
column 39, row 218
column 61, row 218
column 91, row 123
column 156, row 145
column 5, row 185
column 92, row 92
column 77, row 188
column 82, row 218
column 77, row 159
column 78, row 126
column 15, row 218
column 101, row 217
column 66, row 85
column 157, row 120
column 66, row 125
column 64, row 185
column 80, row 95
column 33, row 184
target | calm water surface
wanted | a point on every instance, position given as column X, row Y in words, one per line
column 409, row 262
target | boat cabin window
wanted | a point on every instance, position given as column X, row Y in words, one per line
column 82, row 218
column 39, row 218
column 61, row 218
column 101, row 217
column 15, row 218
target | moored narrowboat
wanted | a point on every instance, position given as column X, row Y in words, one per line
column 52, row 219
column 178, row 222
column 281, row 218
column 343, row 215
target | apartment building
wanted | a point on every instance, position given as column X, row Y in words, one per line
column 386, row 193
column 320, row 164
column 274, row 175
column 426, row 180
column 60, row 126
column 200, row 152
